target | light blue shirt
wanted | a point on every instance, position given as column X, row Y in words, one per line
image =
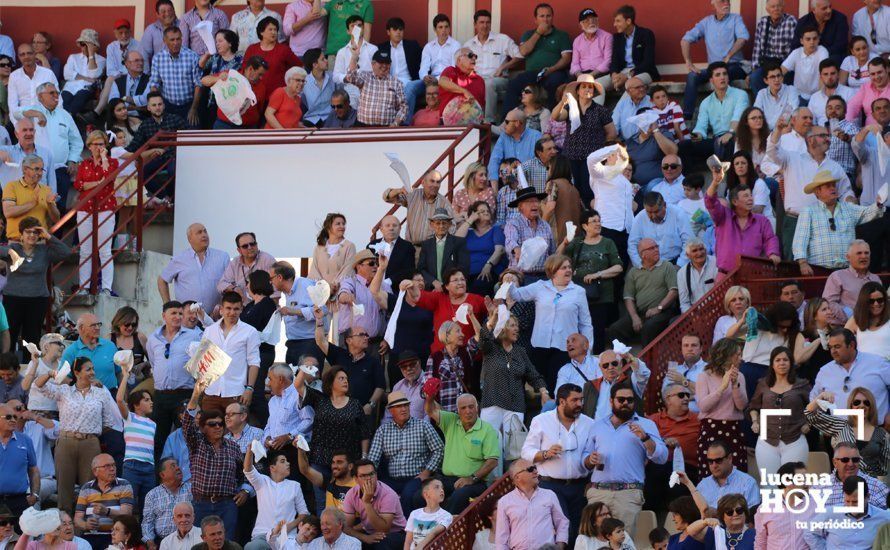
column 176, row 447
column 628, row 49
column 300, row 327
column 624, row 109
column 168, row 359
column 836, row 538
column 868, row 371
column 318, row 100
column 671, row 235
column 196, row 280
column 624, row 455
column 672, row 192
column 715, row 116
column 737, row 482
column 285, row 417
column 719, row 36
column 872, row 180
column 16, row 155
column 7, row 47
column 64, row 137
column 507, row 147
column 558, row 314
column 102, row 357
column 114, row 56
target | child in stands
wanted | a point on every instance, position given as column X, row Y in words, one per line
column 425, row 523
column 670, row 115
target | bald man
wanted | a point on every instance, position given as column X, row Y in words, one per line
column 401, row 258
column 101, row 500
column 635, row 99
column 186, row 535
column 529, row 516
column 196, row 271
column 20, row 476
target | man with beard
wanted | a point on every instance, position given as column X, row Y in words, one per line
column 616, row 451
column 554, row 444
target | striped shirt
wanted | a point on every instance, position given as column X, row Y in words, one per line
column 139, row 435
column 117, row 495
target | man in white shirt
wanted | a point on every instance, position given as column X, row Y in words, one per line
column 366, row 51
column 873, row 23
column 116, row 51
column 438, row 54
column 186, row 534
column 829, row 85
column 686, row 373
column 777, row 98
column 82, row 72
column 242, row 343
column 671, row 185
column 23, row 82
column 696, row 278
column 496, row 54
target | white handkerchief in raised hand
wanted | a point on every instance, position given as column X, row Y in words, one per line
column 574, row 113
column 205, row 31
column 644, row 120
column 674, row 480
column 124, row 359
column 401, row 170
column 503, row 317
column 310, row 370
column 319, row 293
column 16, row 260
column 570, row 230
column 356, row 34
column 282, row 534
column 358, row 310
column 520, row 176
column 530, row 252
column 504, row 291
column 382, row 248
column 825, row 405
column 32, row 349
column 302, row 443
column 35, row 523
column 259, row 451
column 618, row 347
column 883, row 192
column 196, row 306
column 461, row 314
column 64, row 371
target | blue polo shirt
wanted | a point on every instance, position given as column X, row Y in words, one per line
column 15, row 458
column 102, row 357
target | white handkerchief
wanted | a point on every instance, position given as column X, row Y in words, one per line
column 714, row 163
column 571, row 228
column 356, row 34
column 35, row 523
column 205, row 31
column 382, row 248
column 196, row 306
column 319, row 293
column 124, row 359
column 32, row 349
column 644, row 120
column 282, row 534
column 358, row 310
column 503, row 292
column 461, row 314
column 311, row 370
column 520, row 176
column 574, row 114
column 883, row 192
column 679, row 463
column 531, row 251
column 399, row 168
column 503, row 317
column 302, row 443
column 825, row 405
column 390, row 335
column 16, row 260
column 619, row 347
column 674, row 480
column 259, row 451
column 64, row 371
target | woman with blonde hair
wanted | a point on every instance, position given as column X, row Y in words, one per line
column 331, row 259
column 736, row 302
column 476, row 187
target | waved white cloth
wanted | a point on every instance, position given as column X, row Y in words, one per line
column 64, row 371
column 503, row 317
column 400, row 169
column 883, row 157
column 574, row 113
column 302, row 443
column 205, row 31
column 311, row 370
column 319, row 293
column 571, row 228
column 882, row 192
column 390, row 335
column 503, row 291
column 714, row 163
column 282, row 534
column 826, row 406
column 32, row 349
column 531, row 251
column 719, row 538
column 259, row 450
column 234, row 96
column 358, row 310
column 16, row 260
column 124, row 359
column 35, row 523
column 520, row 176
column 196, row 306
column 674, row 480
column 356, row 34
column 382, row 248
column 619, row 347
column 461, row 314
column 272, row 333
column 679, row 463
column 644, row 120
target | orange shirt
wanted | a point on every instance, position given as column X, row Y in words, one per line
column 17, row 193
column 685, row 431
column 287, row 110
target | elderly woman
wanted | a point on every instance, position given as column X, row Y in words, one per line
column 25, row 296
column 50, row 541
column 91, row 173
column 736, row 302
column 597, row 262
column 453, row 365
column 45, row 362
column 732, row 517
column 445, row 304
column 783, row 438
column 125, row 335
column 871, row 320
column 85, row 410
column 284, row 110
column 485, row 243
column 279, row 57
column 333, row 252
column 29, row 197
column 721, row 396
column 476, row 187
column 506, row 369
column 226, row 58
column 524, row 312
column 560, row 310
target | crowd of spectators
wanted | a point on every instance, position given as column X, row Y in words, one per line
column 496, row 335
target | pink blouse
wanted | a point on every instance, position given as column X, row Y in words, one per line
column 717, row 405
column 461, row 202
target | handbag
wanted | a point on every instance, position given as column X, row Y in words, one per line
column 593, row 290
column 515, row 433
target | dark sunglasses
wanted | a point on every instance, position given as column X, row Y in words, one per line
column 338, row 107
column 531, row 469
column 471, row 55
column 880, row 300
column 831, row 224
column 131, row 325
column 5, row 65
column 856, row 402
column 717, row 460
column 623, row 400
column 669, row 166
column 20, row 408
column 9, row 417
column 847, row 459
column 737, row 511
column 614, row 363
column 846, row 383
column 214, row 424
column 682, row 394
column 527, row 91
column 245, row 246
column 371, row 263
column 167, row 350
column 5, row 522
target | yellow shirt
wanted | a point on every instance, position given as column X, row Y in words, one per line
column 18, row 193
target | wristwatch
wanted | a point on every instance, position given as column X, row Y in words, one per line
column 659, row 308
column 474, row 478
column 647, row 438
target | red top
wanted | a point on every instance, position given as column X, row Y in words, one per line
column 280, row 59
column 686, row 432
column 443, row 310
column 472, row 82
column 251, row 117
column 287, row 109
column 90, row 171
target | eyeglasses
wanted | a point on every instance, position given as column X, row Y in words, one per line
column 669, row 166
column 846, row 383
column 858, row 402
column 737, row 511
column 880, row 300
column 213, row 424
column 527, row 91
column 338, row 106
column 245, row 246
column 9, row 417
column 625, row 400
column 38, row 170
column 681, row 395
column 831, row 224
column 167, row 350
column 846, row 459
column 717, row 460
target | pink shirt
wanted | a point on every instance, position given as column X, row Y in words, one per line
column 592, row 55
column 843, row 286
column 530, row 522
column 461, row 202
column 717, row 405
column 311, row 35
column 385, row 501
column 778, row 531
column 862, row 102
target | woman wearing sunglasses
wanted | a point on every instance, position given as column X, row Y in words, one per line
column 6, row 65
column 125, row 335
column 874, row 449
column 782, row 439
column 532, row 102
column 870, row 320
column 730, row 525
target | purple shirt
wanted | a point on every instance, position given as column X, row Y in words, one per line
column 592, row 55
column 843, row 286
column 311, row 35
column 385, row 501
column 530, row 522
column 372, row 320
column 414, row 395
column 195, row 280
column 190, row 37
column 756, row 239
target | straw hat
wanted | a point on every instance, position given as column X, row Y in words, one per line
column 821, row 178
column 584, row 79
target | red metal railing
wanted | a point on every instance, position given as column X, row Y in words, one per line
column 462, row 531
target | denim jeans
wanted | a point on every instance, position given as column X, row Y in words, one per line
column 413, row 90
column 225, row 509
column 141, row 476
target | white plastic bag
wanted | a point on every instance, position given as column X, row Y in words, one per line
column 319, row 293
column 233, row 96
column 461, row 314
column 272, row 333
column 571, row 228
column 64, row 371
column 124, row 359
column 532, row 250
column 259, row 451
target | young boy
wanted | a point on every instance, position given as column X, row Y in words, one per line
column 658, row 538
column 777, row 98
column 425, row 523
column 670, row 115
column 804, row 61
column 613, row 531
column 692, row 186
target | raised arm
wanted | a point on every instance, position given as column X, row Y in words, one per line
column 121, row 399
column 320, row 338
column 431, row 408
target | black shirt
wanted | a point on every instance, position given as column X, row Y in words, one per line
column 257, row 315
column 365, row 375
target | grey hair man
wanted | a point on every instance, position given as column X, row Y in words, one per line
column 287, row 420
column 332, row 535
column 842, row 286
column 186, row 534
column 696, row 278
column 11, row 156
